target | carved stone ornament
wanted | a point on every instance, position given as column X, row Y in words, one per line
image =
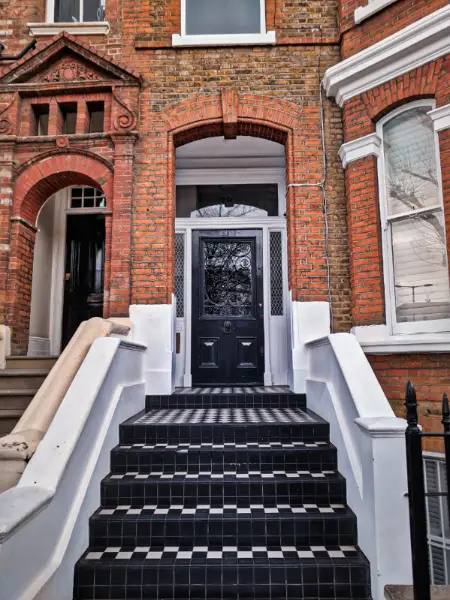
column 6, row 125
column 125, row 119
column 62, row 141
column 69, row 71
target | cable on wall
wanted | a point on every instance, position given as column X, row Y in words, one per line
column 321, row 184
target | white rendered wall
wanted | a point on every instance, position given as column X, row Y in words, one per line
column 42, row 273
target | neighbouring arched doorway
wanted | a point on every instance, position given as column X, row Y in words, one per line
column 231, row 262
column 68, row 267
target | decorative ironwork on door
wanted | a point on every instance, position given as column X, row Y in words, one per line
column 228, row 287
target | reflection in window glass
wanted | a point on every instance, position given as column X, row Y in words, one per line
column 209, row 17
column 415, row 218
column 410, row 154
column 236, row 210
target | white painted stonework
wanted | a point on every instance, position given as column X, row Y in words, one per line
column 440, row 117
column 369, row 145
column 43, row 520
column 342, row 389
column 379, row 339
column 154, row 326
column 307, row 321
column 374, row 6
column 407, row 49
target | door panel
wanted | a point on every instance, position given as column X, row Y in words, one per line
column 227, row 308
column 85, row 257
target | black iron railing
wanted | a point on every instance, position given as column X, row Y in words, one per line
column 416, row 489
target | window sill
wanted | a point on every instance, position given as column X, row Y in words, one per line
column 376, row 339
column 374, row 6
column 224, row 40
column 91, row 28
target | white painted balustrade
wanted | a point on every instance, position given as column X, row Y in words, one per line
column 44, row 519
column 342, row 388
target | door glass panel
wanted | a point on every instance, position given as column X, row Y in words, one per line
column 228, row 278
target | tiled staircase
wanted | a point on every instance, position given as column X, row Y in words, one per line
column 222, row 496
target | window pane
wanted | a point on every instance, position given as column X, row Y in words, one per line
column 420, row 268
column 67, row 11
column 410, row 156
column 93, row 10
column 222, row 16
column 276, row 274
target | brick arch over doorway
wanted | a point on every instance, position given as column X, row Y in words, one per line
column 35, row 183
column 230, row 113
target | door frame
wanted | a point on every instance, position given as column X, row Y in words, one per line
column 58, row 263
column 197, row 316
column 185, row 226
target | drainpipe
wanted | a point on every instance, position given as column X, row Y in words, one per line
column 27, row 48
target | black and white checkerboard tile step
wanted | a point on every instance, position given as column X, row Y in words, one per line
column 254, row 510
column 223, row 416
column 226, row 446
column 226, row 475
column 222, row 553
column 254, row 390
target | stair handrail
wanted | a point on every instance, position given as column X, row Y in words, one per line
column 17, row 448
column 5, row 344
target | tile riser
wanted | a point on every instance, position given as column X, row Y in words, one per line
column 272, row 532
column 218, row 434
column 145, row 461
column 138, row 494
column 249, row 582
column 226, row 401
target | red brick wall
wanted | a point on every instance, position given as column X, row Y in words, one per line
column 285, row 76
column 430, row 374
column 382, row 24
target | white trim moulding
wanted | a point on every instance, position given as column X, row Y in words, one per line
column 377, row 339
column 369, row 145
column 88, row 28
column 374, row 6
column 224, row 40
column 413, row 46
column 440, row 117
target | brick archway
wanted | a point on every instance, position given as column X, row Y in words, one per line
column 35, row 183
column 230, row 113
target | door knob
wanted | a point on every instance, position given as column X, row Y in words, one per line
column 227, row 327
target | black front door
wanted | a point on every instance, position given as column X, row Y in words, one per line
column 85, row 258
column 227, row 308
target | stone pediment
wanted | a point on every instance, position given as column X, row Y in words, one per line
column 66, row 61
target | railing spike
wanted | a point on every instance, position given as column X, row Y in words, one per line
column 411, row 405
column 445, row 413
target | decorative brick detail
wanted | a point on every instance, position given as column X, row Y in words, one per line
column 430, row 374
column 230, row 102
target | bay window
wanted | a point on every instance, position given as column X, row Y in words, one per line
column 413, row 223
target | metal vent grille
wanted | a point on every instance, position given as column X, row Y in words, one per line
column 179, row 273
column 276, row 274
column 438, row 524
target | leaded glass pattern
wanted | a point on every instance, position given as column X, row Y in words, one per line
column 179, row 273
column 276, row 274
column 228, row 272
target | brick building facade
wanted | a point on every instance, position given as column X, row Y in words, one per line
column 161, row 91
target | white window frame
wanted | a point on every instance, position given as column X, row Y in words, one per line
column 80, row 28
column 436, row 326
column 228, row 39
